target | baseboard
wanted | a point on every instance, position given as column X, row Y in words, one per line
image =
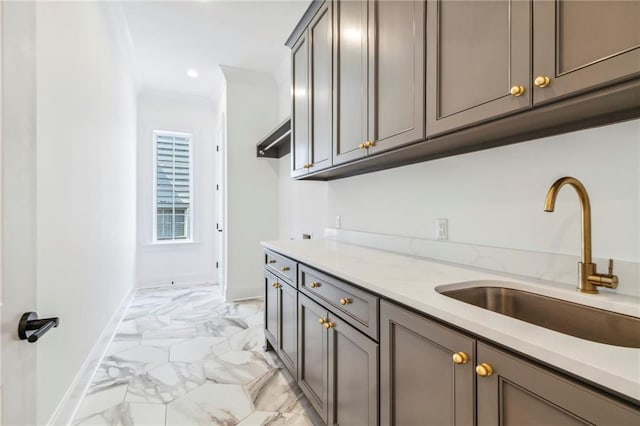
column 177, row 281
column 68, row 407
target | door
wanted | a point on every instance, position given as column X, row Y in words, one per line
column 220, row 200
column 420, row 384
column 312, row 348
column 477, row 53
column 300, row 106
column 271, row 314
column 321, row 80
column 351, row 100
column 518, row 392
column 288, row 327
column 580, row 45
column 398, row 81
column 18, row 200
column 353, row 376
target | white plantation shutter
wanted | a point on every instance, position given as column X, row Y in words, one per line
column 173, row 186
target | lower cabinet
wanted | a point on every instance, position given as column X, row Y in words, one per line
column 420, row 383
column 431, row 375
column 338, row 367
column 281, row 318
column 517, row 392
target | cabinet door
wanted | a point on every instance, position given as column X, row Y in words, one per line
column 300, row 107
column 476, row 52
column 419, row 382
column 398, row 89
column 271, row 309
column 520, row 393
column 353, row 376
column 350, row 76
column 312, row 348
column 320, row 36
column 288, row 327
column 584, row 44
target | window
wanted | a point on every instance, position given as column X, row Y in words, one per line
column 173, row 197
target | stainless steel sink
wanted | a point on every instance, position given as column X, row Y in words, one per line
column 570, row 318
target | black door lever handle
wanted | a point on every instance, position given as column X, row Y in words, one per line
column 31, row 328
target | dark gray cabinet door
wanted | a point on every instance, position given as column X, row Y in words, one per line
column 288, row 320
column 321, row 79
column 397, row 73
column 312, row 349
column 300, row 104
column 419, row 382
column 351, row 100
column 353, row 376
column 519, row 393
column 477, row 51
column 584, row 44
column 271, row 308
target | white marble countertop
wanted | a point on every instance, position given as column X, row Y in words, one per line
column 413, row 281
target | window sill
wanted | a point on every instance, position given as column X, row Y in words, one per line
column 171, row 243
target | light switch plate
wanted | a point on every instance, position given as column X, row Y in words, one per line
column 442, row 229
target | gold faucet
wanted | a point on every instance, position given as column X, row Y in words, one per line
column 589, row 279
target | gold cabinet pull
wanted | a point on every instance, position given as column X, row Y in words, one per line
column 368, row 144
column 272, row 261
column 345, row 301
column 315, row 284
column 284, row 268
column 460, row 358
column 362, row 146
column 484, row 370
column 542, row 81
column 329, row 325
column 276, row 285
column 517, row 90
column 322, row 320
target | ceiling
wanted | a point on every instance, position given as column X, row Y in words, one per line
column 170, row 38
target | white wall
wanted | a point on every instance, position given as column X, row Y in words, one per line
column 496, row 197
column 251, row 182
column 161, row 264
column 86, row 192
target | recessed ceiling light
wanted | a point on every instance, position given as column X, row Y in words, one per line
column 192, row 73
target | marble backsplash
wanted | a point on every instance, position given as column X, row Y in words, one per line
column 545, row 266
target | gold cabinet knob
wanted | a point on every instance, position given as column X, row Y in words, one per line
column 322, row 320
column 517, row 90
column 345, row 301
column 484, row 370
column 315, row 285
column 274, row 285
column 368, row 144
column 362, row 146
column 542, row 81
column 272, row 261
column 329, row 325
column 460, row 358
column 284, row 268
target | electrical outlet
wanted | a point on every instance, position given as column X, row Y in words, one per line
column 338, row 222
column 442, row 229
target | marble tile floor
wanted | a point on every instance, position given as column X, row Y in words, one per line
column 182, row 356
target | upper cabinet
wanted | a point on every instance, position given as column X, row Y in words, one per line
column 478, row 61
column 312, row 100
column 385, row 83
column 583, row 44
column 379, row 74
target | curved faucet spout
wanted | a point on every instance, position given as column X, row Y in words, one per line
column 550, row 203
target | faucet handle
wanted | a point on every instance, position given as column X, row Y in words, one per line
column 610, row 266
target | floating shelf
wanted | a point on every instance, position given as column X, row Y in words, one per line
column 277, row 143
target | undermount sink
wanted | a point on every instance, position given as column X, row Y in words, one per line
column 577, row 320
